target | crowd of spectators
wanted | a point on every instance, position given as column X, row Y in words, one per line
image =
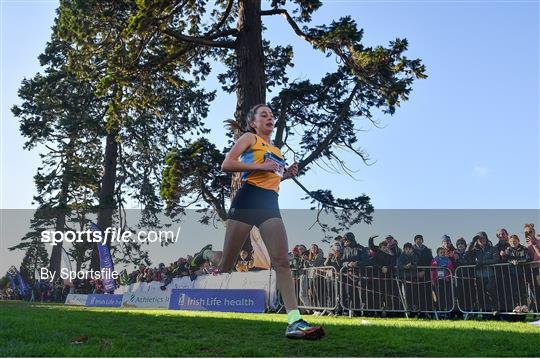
column 345, row 251
column 8, row 294
column 387, row 260
column 40, row 290
column 183, row 267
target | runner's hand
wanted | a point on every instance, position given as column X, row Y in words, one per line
column 292, row 171
column 269, row 166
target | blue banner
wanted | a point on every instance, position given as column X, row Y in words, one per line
column 22, row 284
column 11, row 282
column 105, row 260
column 104, row 300
column 219, row 300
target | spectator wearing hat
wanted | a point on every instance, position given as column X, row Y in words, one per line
column 422, row 252
column 446, row 243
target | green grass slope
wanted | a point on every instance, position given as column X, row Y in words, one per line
column 48, row 330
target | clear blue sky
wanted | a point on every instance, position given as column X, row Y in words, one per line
column 468, row 137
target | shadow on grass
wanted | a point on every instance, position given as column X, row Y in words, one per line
column 48, row 331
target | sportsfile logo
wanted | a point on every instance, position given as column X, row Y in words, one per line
column 110, row 235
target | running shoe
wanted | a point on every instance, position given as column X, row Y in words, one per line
column 302, row 330
column 198, row 258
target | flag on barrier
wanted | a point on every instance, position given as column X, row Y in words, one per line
column 105, row 261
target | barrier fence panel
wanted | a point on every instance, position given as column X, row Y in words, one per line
column 427, row 289
column 370, row 289
column 316, row 288
column 419, row 289
column 502, row 288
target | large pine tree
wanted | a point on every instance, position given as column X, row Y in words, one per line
column 143, row 119
column 34, row 259
column 148, row 58
column 58, row 115
column 158, row 38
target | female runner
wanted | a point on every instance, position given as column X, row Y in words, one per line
column 256, row 204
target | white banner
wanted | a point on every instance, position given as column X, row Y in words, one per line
column 76, row 299
column 181, row 283
column 153, row 299
column 212, row 281
column 265, row 279
column 148, row 295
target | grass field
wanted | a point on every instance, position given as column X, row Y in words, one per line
column 48, row 330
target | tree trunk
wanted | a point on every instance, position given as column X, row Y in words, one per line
column 55, row 262
column 251, row 85
column 106, row 194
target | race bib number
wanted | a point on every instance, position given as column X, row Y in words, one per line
column 272, row 157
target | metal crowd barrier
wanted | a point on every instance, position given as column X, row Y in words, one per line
column 499, row 288
column 375, row 289
column 315, row 288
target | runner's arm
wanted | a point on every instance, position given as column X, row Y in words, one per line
column 232, row 163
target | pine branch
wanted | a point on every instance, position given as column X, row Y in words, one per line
column 200, row 40
column 293, row 24
column 209, row 197
column 331, row 136
column 309, row 193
